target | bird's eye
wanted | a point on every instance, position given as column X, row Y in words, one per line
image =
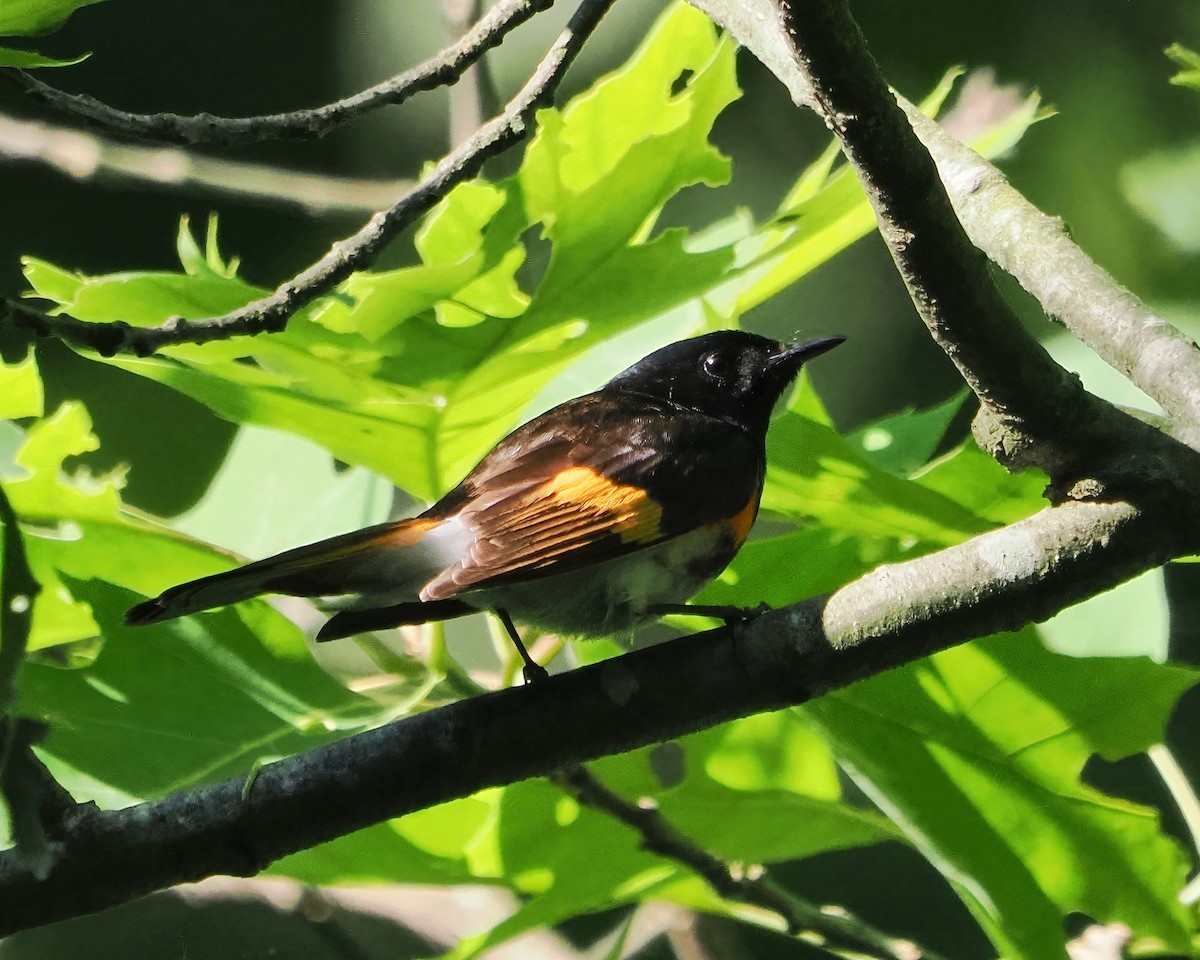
column 720, row 366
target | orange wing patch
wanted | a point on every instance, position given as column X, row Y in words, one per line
column 630, row 511
column 577, row 516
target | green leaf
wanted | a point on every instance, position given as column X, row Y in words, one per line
column 27, row 18
column 809, row 562
column 186, row 701
column 378, row 854
column 1133, row 619
column 76, row 525
column 905, row 441
column 202, row 263
column 52, row 507
column 825, row 212
column 44, row 494
column 141, row 299
column 975, row 481
column 31, row 60
column 977, row 753
column 547, row 846
column 1164, row 187
column 814, row 473
column 275, row 491
column 20, row 389
column 49, row 281
column 1189, row 76
column 768, row 751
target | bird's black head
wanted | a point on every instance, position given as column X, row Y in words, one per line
column 729, row 374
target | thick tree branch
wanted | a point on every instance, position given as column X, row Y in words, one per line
column 442, row 69
column 271, row 313
column 997, row 581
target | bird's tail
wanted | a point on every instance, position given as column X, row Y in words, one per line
column 377, row 559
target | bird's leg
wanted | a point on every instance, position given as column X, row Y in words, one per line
column 532, row 671
column 727, row 612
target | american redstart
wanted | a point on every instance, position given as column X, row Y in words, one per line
column 602, row 513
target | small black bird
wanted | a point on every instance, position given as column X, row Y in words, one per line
column 602, row 513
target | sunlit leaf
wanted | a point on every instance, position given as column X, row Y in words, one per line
column 186, row 701
column 20, row 389
column 1164, row 187
column 977, row 753
column 31, row 60
column 904, row 442
column 28, row 18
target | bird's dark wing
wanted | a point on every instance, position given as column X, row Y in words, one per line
column 594, row 479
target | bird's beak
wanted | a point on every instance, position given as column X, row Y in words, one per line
column 800, row 353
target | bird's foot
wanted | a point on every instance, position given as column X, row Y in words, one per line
column 533, row 672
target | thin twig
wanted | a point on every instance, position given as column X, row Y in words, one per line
column 442, row 69
column 271, row 313
column 86, row 156
column 743, row 884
